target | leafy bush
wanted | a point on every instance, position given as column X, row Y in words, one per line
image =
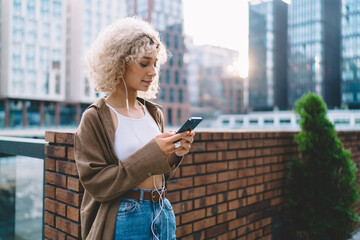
column 321, row 189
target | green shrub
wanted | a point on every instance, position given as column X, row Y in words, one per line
column 321, row 189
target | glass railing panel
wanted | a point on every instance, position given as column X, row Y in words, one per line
column 21, row 198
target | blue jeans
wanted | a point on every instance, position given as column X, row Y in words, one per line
column 138, row 219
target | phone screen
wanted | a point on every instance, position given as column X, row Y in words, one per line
column 190, row 124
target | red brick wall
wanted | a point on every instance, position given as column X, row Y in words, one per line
column 228, row 187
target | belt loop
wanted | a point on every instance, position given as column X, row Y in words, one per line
column 141, row 198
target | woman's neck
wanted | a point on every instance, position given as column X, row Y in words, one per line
column 118, row 98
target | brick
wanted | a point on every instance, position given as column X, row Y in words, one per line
column 259, row 188
column 227, row 136
column 68, row 197
column 71, row 238
column 204, row 223
column 227, row 196
column 227, row 235
column 236, row 203
column 192, row 216
column 216, row 145
column 218, row 136
column 198, row 147
column 49, row 218
column 262, row 170
column 225, row 176
column 239, row 144
column 225, row 217
column 49, row 191
column 55, row 207
column 74, row 184
column 64, row 138
column 52, row 233
column 238, row 183
column 55, row 151
column 237, row 164
column 204, row 201
column 49, row 164
column 173, row 196
column 216, row 209
column 193, row 170
column 238, row 222
column 216, row 188
column 193, row 193
column 205, row 157
column 67, row 168
column 183, row 206
column 205, row 179
column 184, row 230
column 67, row 226
column 263, row 152
column 204, row 135
column 246, row 153
column 226, row 155
column 241, row 231
column 70, row 153
column 246, row 172
column 49, row 136
column 55, row 179
column 256, row 143
column 73, row 213
column 217, row 230
column 182, row 183
column 276, row 201
column 216, row 167
column 188, row 159
column 251, row 200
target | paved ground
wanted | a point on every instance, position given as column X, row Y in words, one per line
column 356, row 236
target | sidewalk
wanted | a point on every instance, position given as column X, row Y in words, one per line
column 356, row 236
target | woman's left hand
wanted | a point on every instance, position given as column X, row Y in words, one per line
column 185, row 144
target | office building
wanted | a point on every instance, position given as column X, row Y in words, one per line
column 43, row 82
column 167, row 18
column 267, row 54
column 85, row 19
column 350, row 53
column 213, row 80
column 314, row 50
column 32, row 60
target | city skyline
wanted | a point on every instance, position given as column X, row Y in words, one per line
column 213, row 26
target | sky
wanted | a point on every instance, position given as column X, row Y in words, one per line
column 221, row 23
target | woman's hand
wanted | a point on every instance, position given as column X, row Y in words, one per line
column 185, row 144
column 167, row 140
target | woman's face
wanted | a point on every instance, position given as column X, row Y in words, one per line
column 139, row 74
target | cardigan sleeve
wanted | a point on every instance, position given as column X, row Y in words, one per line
column 99, row 170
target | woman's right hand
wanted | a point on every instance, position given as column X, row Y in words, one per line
column 166, row 141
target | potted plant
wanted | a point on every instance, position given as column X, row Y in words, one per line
column 321, row 189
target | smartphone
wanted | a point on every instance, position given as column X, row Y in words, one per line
column 190, row 124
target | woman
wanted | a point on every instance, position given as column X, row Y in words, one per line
column 122, row 156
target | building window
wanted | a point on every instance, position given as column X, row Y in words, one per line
column 176, row 43
column 176, row 77
column 171, row 95
column 162, row 94
column 180, row 95
column 167, row 76
column 180, row 59
column 169, row 116
column 30, row 8
column 179, row 116
column 17, row 7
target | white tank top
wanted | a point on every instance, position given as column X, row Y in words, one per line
column 132, row 133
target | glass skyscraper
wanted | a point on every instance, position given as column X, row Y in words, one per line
column 314, row 50
column 267, row 54
column 350, row 53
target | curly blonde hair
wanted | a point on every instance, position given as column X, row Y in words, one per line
column 121, row 43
